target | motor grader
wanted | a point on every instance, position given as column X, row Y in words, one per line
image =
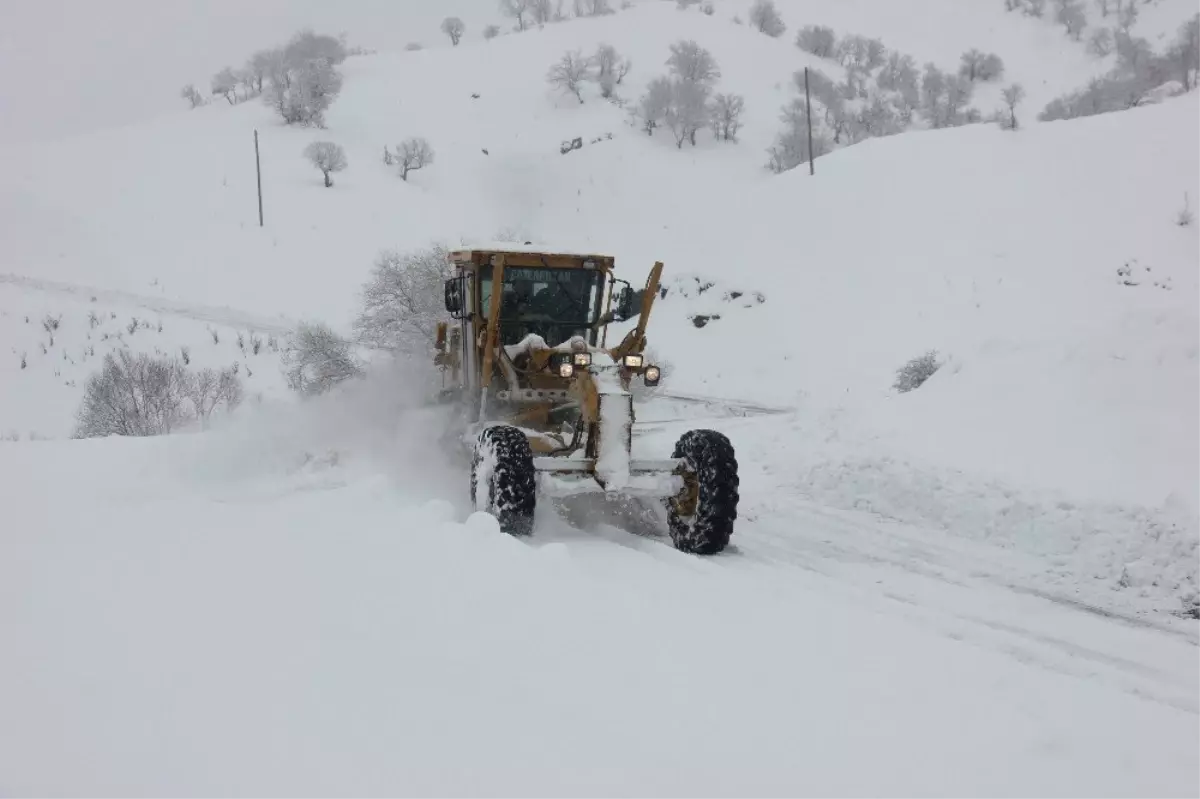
column 544, row 402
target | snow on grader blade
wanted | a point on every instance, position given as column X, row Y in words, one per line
column 545, row 407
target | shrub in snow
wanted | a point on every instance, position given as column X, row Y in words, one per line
column 691, row 63
column 491, row 32
column 403, row 301
column 1100, row 43
column 413, row 47
column 190, row 94
column 133, row 395
column 914, row 373
column 454, row 28
column 765, row 18
column 327, row 157
column 818, row 40
column 210, row 389
column 413, row 154
column 725, row 114
column 569, row 73
column 611, row 69
column 316, row 359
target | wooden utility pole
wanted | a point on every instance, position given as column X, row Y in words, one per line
column 258, row 170
column 808, row 115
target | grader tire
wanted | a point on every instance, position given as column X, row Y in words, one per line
column 503, row 482
column 701, row 519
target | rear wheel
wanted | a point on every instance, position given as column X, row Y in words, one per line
column 503, row 482
column 701, row 516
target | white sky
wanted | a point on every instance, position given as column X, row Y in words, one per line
column 76, row 65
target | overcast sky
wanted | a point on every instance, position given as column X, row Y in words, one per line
column 72, row 66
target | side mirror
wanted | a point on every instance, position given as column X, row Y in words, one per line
column 454, row 297
column 623, row 302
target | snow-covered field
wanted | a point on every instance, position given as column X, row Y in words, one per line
column 302, row 604
column 974, row 587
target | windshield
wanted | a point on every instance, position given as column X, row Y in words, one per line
column 555, row 304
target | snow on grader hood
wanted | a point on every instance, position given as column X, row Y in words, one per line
column 544, row 403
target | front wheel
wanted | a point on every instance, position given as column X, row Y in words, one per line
column 701, row 516
column 503, row 482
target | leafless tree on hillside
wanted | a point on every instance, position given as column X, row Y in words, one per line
column 403, row 300
column 569, row 73
column 517, row 9
column 454, row 28
column 413, row 154
column 327, row 157
column 765, row 18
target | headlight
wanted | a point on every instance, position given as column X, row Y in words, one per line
column 652, row 375
column 633, row 362
column 583, row 360
column 566, row 370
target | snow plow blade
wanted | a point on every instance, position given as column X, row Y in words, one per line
column 560, row 477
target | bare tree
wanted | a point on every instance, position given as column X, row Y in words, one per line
column 569, row 74
column 317, row 359
column 611, row 69
column 977, row 65
column 133, row 395
column 1070, row 14
column 306, row 46
column 1013, row 95
column 726, row 115
column 818, row 40
column 302, row 94
column 541, row 12
column 190, row 94
column 653, row 105
column 1184, row 54
column 403, row 300
column 259, row 67
column 790, row 149
column 454, row 28
column 765, row 17
column 688, row 111
column 491, row 32
column 592, row 8
column 691, row 63
column 225, row 84
column 861, row 53
column 327, row 157
column 517, row 9
column 413, row 154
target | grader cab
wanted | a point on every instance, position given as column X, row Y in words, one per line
column 546, row 401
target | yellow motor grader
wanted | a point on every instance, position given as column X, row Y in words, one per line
column 546, row 403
